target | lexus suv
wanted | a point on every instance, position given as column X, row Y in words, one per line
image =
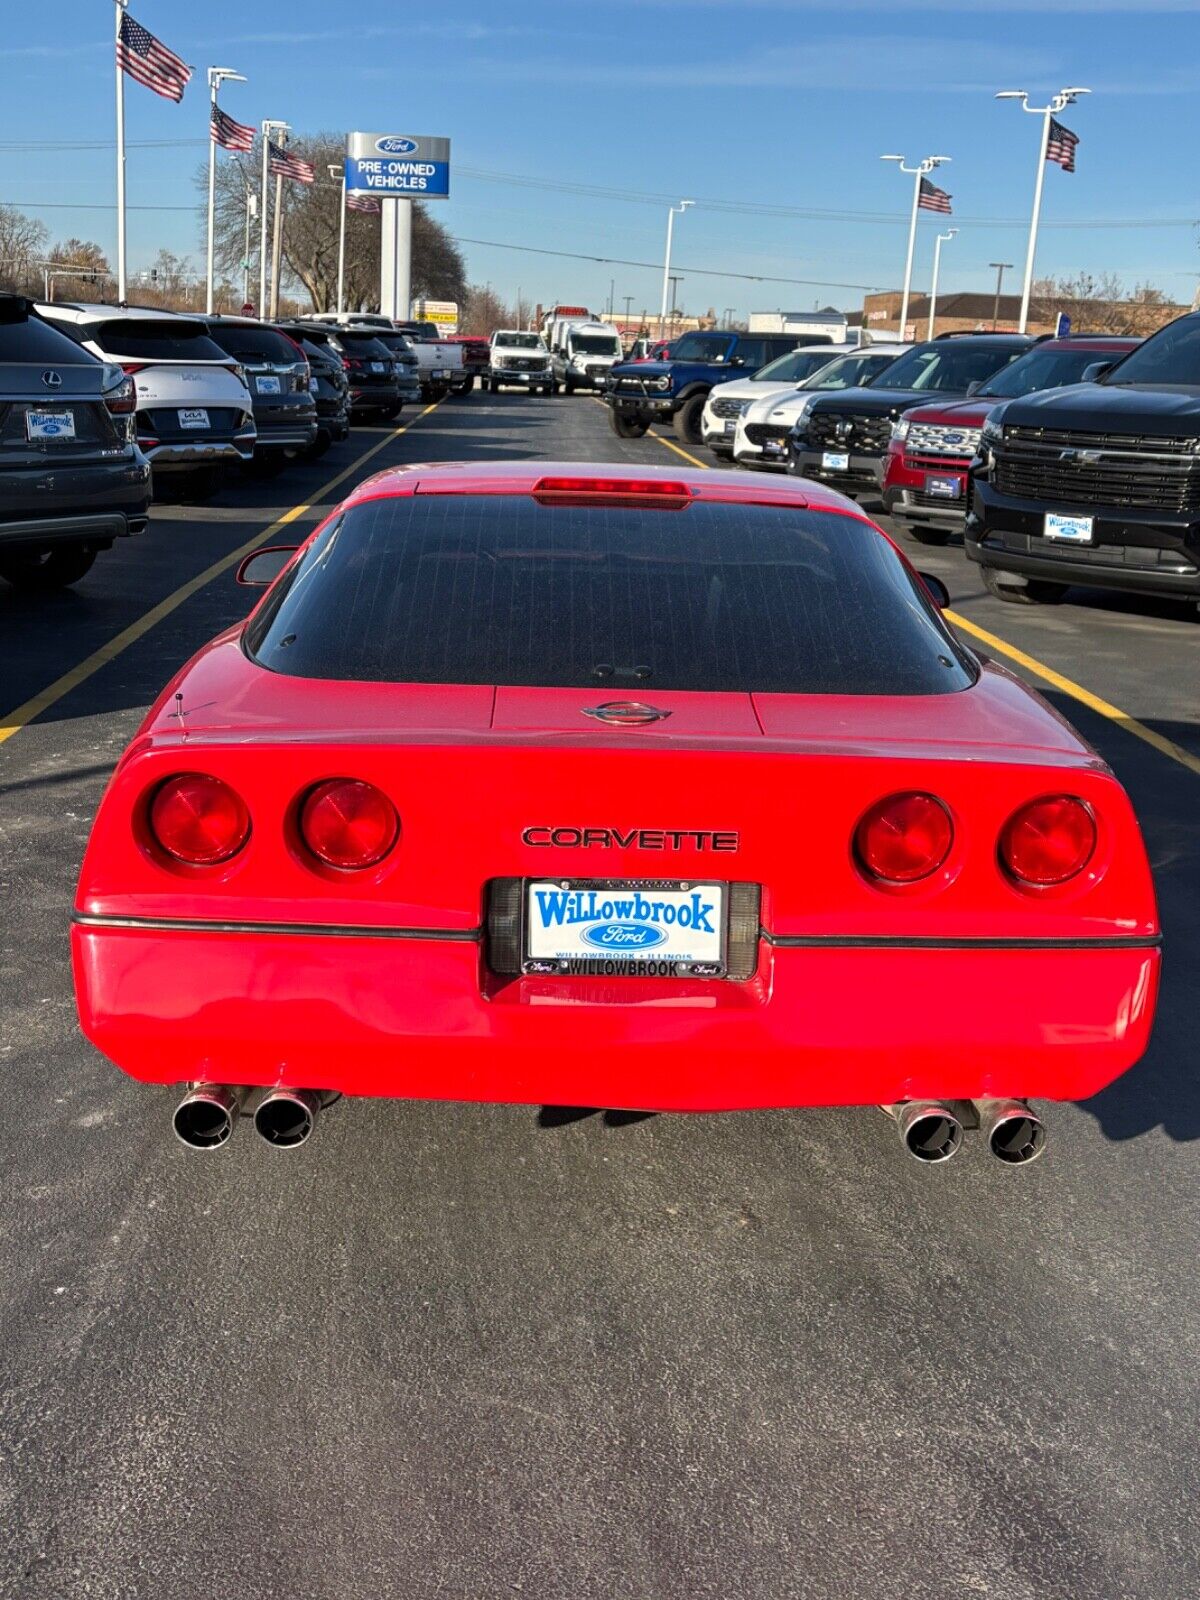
column 193, row 412
column 843, row 438
column 285, row 412
column 72, row 478
column 925, row 475
column 1098, row 483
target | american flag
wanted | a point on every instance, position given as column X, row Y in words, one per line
column 230, row 135
column 1061, row 145
column 933, row 198
column 362, row 202
column 148, row 61
column 283, row 164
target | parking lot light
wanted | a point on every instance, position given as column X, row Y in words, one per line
column 671, row 214
column 942, row 238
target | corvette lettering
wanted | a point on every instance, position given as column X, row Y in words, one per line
column 572, row 838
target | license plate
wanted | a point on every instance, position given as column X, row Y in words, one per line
column 635, row 927
column 197, row 417
column 441, row 373
column 377, row 366
column 268, row 386
column 49, row 424
column 1072, row 530
column 731, row 427
column 943, row 488
column 313, row 385
column 836, row 461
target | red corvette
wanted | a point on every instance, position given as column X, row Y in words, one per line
column 565, row 784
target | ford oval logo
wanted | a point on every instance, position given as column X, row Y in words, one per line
column 622, row 936
column 396, row 146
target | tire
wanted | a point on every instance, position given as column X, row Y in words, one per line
column 319, row 445
column 267, row 463
column 627, row 427
column 924, row 534
column 488, row 386
column 466, row 386
column 198, row 485
column 48, row 569
column 554, row 387
column 686, row 421
column 1032, row 592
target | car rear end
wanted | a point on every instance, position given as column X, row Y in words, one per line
column 327, row 384
column 744, row 843
column 278, row 374
column 476, row 356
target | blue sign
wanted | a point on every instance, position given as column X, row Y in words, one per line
column 1062, row 325
column 398, row 166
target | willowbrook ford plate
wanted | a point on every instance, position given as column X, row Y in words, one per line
column 49, row 424
column 590, row 924
column 836, row 461
column 1077, row 530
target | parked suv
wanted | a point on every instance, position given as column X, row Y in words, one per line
column 641, row 392
column 72, row 478
column 519, row 359
column 760, row 438
column 370, row 362
column 1098, row 483
column 729, row 401
column 925, row 474
column 328, row 385
column 843, row 438
column 194, row 414
column 277, row 371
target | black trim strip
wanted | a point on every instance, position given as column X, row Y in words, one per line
column 331, row 930
column 785, row 941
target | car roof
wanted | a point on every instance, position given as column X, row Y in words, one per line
column 1093, row 341
column 97, row 311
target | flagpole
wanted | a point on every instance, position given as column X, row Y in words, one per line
column 119, row 12
column 268, row 129
column 342, row 247
column 276, row 240
column 1060, row 102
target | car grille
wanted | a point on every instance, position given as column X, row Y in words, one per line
column 525, row 364
column 164, row 423
column 728, row 408
column 937, row 502
column 633, row 385
column 941, row 439
column 1099, row 469
column 865, row 435
column 765, row 433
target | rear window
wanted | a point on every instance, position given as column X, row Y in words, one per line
column 32, row 340
column 365, row 346
column 249, row 343
column 501, row 590
column 146, row 339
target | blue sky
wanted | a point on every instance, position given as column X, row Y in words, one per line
column 765, row 103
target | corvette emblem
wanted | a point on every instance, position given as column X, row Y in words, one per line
column 52, row 379
column 625, row 713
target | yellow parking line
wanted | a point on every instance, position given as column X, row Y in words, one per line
column 1105, row 708
column 1156, row 741
column 120, row 642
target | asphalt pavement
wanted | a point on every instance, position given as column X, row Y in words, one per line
column 475, row 1351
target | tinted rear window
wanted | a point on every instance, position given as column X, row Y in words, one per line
column 154, row 341
column 32, row 340
column 255, row 344
column 365, row 345
column 499, row 589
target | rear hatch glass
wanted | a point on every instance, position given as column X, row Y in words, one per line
column 143, row 339
column 499, row 589
column 256, row 346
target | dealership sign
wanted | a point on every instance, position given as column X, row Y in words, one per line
column 398, row 166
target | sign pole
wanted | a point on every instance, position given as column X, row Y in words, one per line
column 395, row 168
column 119, row 10
column 276, row 242
column 262, row 206
column 214, row 83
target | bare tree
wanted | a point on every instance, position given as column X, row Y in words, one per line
column 1101, row 304
column 484, row 312
column 22, row 247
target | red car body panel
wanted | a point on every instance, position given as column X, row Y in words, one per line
column 270, row 970
column 909, row 471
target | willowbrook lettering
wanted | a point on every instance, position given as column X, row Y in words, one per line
column 559, row 906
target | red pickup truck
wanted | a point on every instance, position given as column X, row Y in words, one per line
column 476, row 354
column 925, row 471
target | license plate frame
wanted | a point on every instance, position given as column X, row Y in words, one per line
column 943, row 485
column 1068, row 529
column 267, row 383
column 562, row 950
column 835, row 460
column 41, row 425
column 193, row 416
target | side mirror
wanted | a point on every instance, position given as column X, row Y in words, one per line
column 973, row 388
column 1094, row 372
column 937, row 590
column 260, row 568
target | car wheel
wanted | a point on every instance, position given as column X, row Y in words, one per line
column 48, row 569
column 319, row 445
column 466, row 387
column 569, row 385
column 687, row 419
column 627, row 427
column 1025, row 592
column 201, row 483
column 926, row 535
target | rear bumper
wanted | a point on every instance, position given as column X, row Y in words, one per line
column 200, row 452
column 92, row 528
column 420, row 1017
column 95, row 500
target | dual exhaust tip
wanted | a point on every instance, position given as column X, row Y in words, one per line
column 932, row 1130
column 204, row 1119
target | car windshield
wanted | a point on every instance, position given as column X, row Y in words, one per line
column 595, row 344
column 1169, row 359
column 949, row 366
column 793, row 367
column 702, row 347
column 850, row 372
column 1043, row 369
column 705, row 596
column 249, row 342
column 519, row 341
column 141, row 338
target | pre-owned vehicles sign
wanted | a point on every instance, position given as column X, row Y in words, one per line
column 398, row 166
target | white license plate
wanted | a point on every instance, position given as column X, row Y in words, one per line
column 49, row 424
column 589, row 925
column 946, row 487
column 268, row 385
column 441, row 373
column 836, row 461
column 313, row 386
column 197, row 417
column 1072, row 530
column 377, row 366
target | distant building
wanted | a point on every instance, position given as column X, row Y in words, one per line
column 973, row 313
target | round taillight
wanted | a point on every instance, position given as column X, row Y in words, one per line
column 904, row 838
column 1048, row 841
column 199, row 819
column 348, row 824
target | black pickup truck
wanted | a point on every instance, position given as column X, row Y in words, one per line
column 1098, row 483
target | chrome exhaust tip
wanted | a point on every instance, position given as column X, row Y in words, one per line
column 1014, row 1132
column 285, row 1117
column 204, row 1118
column 930, row 1129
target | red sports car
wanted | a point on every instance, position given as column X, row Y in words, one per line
column 610, row 786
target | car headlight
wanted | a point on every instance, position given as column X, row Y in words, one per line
column 990, row 435
column 662, row 383
column 900, row 431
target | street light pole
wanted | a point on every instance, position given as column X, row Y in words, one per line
column 1001, row 267
column 1060, row 102
column 918, row 173
column 942, row 238
column 216, row 77
column 335, row 172
column 268, row 129
column 251, row 211
column 671, row 215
